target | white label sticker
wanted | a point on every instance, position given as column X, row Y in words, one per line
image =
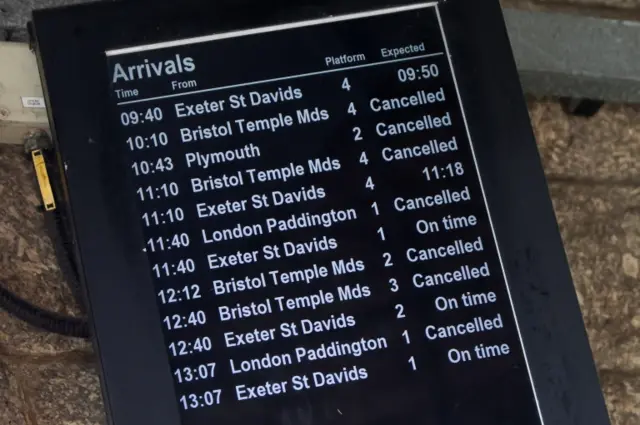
column 33, row 102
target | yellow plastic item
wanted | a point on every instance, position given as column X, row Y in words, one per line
column 43, row 180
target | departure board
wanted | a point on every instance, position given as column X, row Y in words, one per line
column 316, row 228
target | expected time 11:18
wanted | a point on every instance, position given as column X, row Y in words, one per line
column 450, row 170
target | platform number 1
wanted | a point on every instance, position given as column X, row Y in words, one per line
column 412, row 362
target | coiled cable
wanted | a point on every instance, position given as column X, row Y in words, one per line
column 41, row 318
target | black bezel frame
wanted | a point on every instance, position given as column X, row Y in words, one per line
column 70, row 44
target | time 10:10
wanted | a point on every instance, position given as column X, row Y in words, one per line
column 153, row 141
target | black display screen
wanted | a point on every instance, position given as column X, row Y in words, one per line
column 316, row 227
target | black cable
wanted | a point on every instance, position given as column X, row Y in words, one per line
column 64, row 252
column 39, row 317
column 43, row 319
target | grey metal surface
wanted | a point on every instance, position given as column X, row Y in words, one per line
column 576, row 56
column 557, row 54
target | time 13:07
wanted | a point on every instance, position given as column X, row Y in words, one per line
column 194, row 401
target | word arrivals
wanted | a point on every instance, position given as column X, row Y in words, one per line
column 148, row 69
column 461, row 274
